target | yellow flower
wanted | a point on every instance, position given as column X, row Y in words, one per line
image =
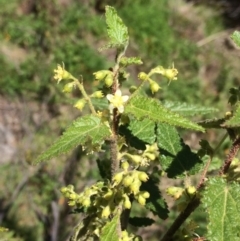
column 61, row 73
column 117, row 101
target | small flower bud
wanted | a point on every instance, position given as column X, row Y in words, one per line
column 68, row 87
column 108, row 195
column 142, row 76
column 127, row 181
column 175, row 192
column 118, row 177
column 154, row 87
column 143, row 176
column 125, row 165
column 171, row 74
column 109, row 80
column 106, row 212
column 149, row 156
column 191, row 190
column 101, row 74
column 145, row 194
column 80, row 104
column 86, row 202
column 127, row 204
column 135, row 186
column 152, row 148
column 73, row 196
column 71, row 203
column 97, row 94
column 132, row 89
column 136, row 159
column 64, row 190
column 141, row 200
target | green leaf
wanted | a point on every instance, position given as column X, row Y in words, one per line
column 176, row 158
column 109, row 231
column 221, row 199
column 236, row 38
column 215, row 123
column 140, row 221
column 84, row 129
column 205, row 149
column 100, row 104
column 142, row 107
column 117, row 31
column 235, row 120
column 131, row 139
column 143, row 130
column 186, row 109
column 155, row 203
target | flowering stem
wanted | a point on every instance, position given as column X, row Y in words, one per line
column 85, row 95
column 116, row 116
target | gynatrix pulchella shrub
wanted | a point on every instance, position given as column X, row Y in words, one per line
column 139, row 133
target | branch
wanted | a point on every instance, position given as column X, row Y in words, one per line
column 232, row 153
column 193, row 204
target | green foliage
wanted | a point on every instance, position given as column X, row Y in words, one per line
column 134, row 139
column 88, row 131
column 142, row 107
column 143, row 130
column 117, row 31
column 109, row 232
column 186, row 109
column 176, row 158
column 221, row 199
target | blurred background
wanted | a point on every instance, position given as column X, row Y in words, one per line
column 36, row 35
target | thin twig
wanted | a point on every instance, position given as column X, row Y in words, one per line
column 192, row 205
column 232, row 153
column 85, row 95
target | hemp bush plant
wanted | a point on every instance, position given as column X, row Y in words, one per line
column 137, row 144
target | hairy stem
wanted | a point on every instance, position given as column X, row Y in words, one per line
column 113, row 144
column 192, row 205
column 232, row 153
column 85, row 95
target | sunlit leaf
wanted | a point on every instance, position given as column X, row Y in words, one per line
column 142, row 107
column 221, row 199
column 88, row 129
